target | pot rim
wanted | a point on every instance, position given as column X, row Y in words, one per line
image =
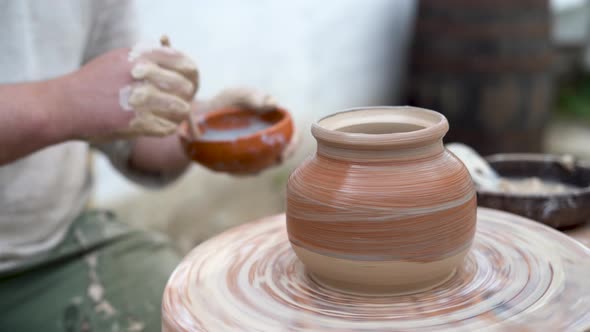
column 285, row 120
column 435, row 126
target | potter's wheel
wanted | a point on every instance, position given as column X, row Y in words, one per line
column 519, row 274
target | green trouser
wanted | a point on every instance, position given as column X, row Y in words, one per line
column 104, row 276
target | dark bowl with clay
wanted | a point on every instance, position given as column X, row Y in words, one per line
column 234, row 148
column 558, row 210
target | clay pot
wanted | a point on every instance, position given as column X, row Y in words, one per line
column 382, row 206
column 239, row 141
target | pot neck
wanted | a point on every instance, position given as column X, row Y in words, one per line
column 370, row 155
column 380, row 134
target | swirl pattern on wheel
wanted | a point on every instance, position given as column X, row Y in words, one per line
column 519, row 274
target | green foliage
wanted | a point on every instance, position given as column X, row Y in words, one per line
column 574, row 99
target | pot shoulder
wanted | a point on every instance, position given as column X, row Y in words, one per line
column 434, row 180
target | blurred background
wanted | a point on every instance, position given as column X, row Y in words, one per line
column 511, row 76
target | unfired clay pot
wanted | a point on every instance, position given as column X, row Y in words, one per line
column 382, row 206
column 239, row 141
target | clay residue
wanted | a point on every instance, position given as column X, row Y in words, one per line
column 253, row 126
column 534, row 185
column 95, row 289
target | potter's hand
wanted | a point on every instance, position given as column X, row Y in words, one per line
column 143, row 91
column 166, row 82
column 245, row 98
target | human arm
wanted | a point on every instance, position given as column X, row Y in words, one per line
column 85, row 104
column 31, row 118
column 39, row 114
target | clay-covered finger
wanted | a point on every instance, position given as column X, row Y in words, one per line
column 152, row 125
column 172, row 59
column 164, row 79
column 244, row 98
column 148, row 98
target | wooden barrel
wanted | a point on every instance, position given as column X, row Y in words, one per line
column 486, row 65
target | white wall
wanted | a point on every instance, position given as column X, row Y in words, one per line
column 315, row 57
column 571, row 21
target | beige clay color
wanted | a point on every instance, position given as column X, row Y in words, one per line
column 384, row 277
column 381, row 206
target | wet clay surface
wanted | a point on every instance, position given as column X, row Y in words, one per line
column 519, row 275
column 248, row 128
column 382, row 190
column 534, row 185
column 406, row 208
column 234, row 125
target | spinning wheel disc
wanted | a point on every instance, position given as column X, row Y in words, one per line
column 518, row 275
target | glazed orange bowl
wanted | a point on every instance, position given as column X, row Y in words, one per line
column 239, row 141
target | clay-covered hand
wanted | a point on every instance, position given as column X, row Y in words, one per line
column 166, row 81
column 128, row 93
column 244, row 98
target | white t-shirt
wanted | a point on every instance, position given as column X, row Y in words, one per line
column 41, row 194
